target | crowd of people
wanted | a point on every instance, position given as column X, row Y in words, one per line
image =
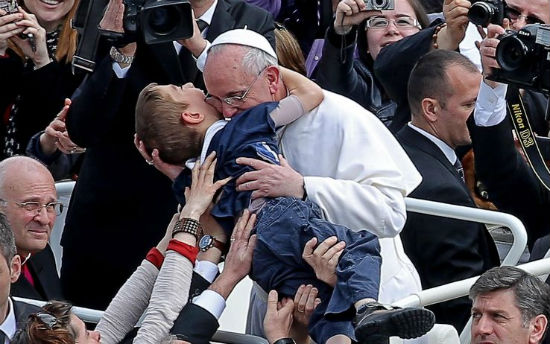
column 285, row 136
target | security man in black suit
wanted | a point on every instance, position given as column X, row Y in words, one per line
column 119, row 201
column 442, row 92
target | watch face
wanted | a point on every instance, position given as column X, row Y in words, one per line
column 206, row 242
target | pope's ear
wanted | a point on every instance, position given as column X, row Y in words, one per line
column 273, row 75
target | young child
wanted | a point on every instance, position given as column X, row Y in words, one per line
column 181, row 125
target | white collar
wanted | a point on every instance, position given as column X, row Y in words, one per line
column 9, row 326
column 207, row 16
column 210, row 132
column 447, row 151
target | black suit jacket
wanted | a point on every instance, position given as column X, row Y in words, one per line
column 120, row 205
column 443, row 250
column 510, row 182
column 46, row 280
column 22, row 311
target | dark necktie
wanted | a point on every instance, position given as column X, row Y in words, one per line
column 2, row 337
column 202, row 24
column 187, row 62
column 459, row 169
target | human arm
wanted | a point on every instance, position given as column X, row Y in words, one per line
column 304, row 96
column 456, row 18
column 305, row 302
column 278, row 318
column 171, row 289
column 211, row 303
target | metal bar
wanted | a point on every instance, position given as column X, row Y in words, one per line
column 476, row 215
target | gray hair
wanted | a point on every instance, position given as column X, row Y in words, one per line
column 7, row 240
column 254, row 60
column 532, row 296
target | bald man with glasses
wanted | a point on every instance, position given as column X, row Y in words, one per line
column 29, row 201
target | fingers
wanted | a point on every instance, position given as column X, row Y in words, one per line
column 334, row 249
column 308, row 248
column 481, row 31
column 325, row 245
column 206, row 171
column 272, row 299
column 254, row 163
column 311, row 301
column 245, row 179
column 221, row 183
column 240, row 225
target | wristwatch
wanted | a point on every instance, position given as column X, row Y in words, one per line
column 187, row 225
column 208, row 241
column 118, row 57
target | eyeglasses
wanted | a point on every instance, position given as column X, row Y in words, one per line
column 233, row 101
column 404, row 22
column 515, row 15
column 36, row 207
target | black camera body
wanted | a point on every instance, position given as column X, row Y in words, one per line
column 485, row 12
column 379, row 5
column 158, row 21
column 524, row 58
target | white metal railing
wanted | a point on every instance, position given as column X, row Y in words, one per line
column 476, row 215
column 460, row 288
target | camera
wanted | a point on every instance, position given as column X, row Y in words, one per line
column 485, row 12
column 524, row 58
column 10, row 6
column 159, row 21
column 380, row 5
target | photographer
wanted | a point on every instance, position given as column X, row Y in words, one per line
column 117, row 191
column 37, row 45
column 498, row 164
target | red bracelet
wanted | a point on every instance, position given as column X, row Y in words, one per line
column 155, row 257
column 188, row 251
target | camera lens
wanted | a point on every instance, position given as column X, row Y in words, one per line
column 481, row 13
column 511, row 53
column 380, row 4
column 163, row 20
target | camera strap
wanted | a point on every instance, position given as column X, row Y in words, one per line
column 525, row 135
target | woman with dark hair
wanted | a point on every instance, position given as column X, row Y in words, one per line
column 368, row 31
column 37, row 44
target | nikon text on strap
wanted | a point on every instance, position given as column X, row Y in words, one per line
column 525, row 135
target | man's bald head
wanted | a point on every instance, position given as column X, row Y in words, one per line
column 23, row 180
column 12, row 168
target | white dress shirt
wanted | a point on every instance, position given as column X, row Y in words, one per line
column 9, row 326
column 448, row 151
column 490, row 105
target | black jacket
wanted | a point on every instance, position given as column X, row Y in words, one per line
column 443, row 250
column 120, row 205
column 42, row 93
column 338, row 71
column 46, row 280
column 511, row 184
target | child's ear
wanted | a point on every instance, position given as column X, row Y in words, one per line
column 192, row 117
column 273, row 75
